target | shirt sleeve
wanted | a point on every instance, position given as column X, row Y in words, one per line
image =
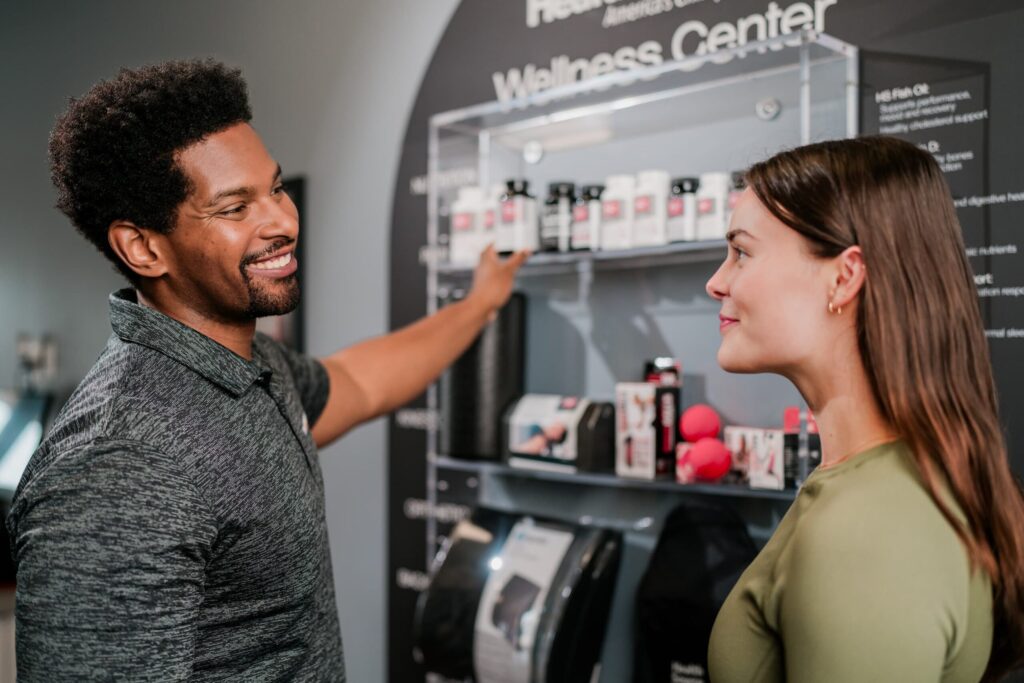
column 111, row 544
column 308, row 374
column 860, row 605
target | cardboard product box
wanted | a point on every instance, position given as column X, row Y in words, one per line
column 560, row 433
column 758, row 456
column 646, row 416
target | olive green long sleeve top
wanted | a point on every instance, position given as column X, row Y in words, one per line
column 864, row 580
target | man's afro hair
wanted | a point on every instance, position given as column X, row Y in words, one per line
column 112, row 153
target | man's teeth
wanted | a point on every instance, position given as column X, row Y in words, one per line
column 279, row 262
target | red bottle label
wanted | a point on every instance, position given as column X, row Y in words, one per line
column 611, row 209
column 676, row 207
column 642, row 204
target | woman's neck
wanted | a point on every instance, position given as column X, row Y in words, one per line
column 849, row 418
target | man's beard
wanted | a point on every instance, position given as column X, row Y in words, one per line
column 278, row 299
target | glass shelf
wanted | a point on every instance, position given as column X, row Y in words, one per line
column 715, row 112
column 610, row 480
column 546, row 263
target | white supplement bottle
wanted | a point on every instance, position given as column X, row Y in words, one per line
column 617, row 212
column 682, row 210
column 649, row 209
column 712, row 201
column 465, row 241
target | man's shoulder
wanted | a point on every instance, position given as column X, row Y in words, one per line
column 277, row 354
column 305, row 374
column 129, row 395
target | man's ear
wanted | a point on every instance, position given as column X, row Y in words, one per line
column 848, row 277
column 138, row 248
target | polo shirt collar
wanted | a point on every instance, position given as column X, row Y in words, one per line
column 139, row 324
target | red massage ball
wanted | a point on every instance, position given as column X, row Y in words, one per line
column 710, row 459
column 699, row 422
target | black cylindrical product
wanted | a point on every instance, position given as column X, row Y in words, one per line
column 681, row 186
column 482, row 383
column 556, row 219
column 586, row 218
column 739, row 183
column 791, row 447
column 813, row 444
column 517, row 187
column 739, row 180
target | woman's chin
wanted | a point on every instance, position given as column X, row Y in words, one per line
column 731, row 362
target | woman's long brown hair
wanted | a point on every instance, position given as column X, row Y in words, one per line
column 921, row 338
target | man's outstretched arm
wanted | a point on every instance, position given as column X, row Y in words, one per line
column 377, row 376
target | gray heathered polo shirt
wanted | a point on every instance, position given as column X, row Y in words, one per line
column 171, row 526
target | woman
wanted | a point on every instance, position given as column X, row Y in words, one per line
column 902, row 558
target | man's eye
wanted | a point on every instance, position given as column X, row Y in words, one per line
column 277, row 190
column 233, row 210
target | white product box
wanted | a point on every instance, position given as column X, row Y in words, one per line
column 645, row 423
column 757, row 455
column 512, row 602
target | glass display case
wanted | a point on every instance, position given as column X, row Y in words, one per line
column 596, row 314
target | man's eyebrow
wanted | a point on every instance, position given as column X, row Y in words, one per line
column 246, row 191
column 733, row 234
column 239, row 191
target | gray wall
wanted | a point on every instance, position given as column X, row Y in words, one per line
column 332, row 84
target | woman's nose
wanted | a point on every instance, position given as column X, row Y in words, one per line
column 716, row 286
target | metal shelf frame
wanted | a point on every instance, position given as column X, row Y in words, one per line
column 586, row 263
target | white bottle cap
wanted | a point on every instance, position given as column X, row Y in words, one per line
column 653, row 178
column 619, row 182
column 714, row 182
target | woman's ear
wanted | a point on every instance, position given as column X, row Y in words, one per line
column 848, row 277
column 138, row 248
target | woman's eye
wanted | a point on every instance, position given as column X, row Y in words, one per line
column 739, row 253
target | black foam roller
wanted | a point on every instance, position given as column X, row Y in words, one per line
column 486, row 379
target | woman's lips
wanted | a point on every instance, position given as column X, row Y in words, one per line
column 725, row 322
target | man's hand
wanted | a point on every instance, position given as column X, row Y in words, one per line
column 493, row 279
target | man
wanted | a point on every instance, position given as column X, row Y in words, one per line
column 171, row 526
